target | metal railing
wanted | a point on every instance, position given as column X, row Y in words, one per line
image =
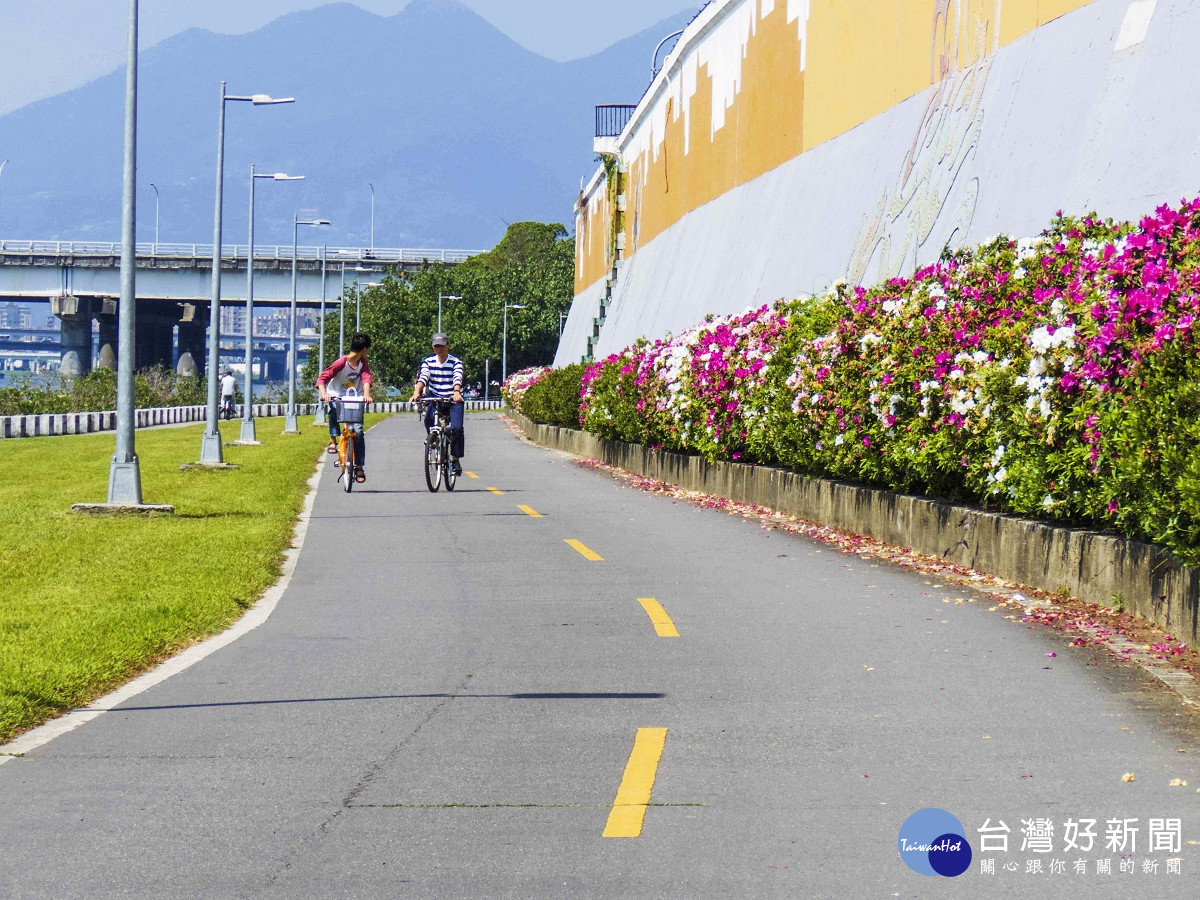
column 237, row 251
column 612, row 118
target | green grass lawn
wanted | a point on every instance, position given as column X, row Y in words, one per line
column 90, row 601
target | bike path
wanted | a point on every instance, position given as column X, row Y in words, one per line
column 445, row 700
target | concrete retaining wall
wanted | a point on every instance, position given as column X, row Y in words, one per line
column 87, row 422
column 1089, row 110
column 1086, row 564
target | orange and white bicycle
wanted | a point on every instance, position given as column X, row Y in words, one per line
column 349, row 409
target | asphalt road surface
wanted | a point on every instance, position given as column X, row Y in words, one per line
column 450, row 700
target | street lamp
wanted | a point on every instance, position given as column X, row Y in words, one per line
column 320, row 417
column 504, row 342
column 358, row 286
column 654, row 58
column 248, row 431
column 210, row 448
column 440, row 299
column 124, row 474
column 562, row 320
column 2, row 165
column 289, row 426
column 360, row 270
column 156, row 200
column 372, row 187
column 342, row 315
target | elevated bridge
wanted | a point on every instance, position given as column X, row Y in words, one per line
column 81, row 281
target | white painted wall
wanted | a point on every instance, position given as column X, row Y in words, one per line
column 1097, row 110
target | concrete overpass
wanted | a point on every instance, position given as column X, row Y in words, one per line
column 81, row 281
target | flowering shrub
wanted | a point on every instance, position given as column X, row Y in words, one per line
column 518, row 383
column 1054, row 377
column 554, row 399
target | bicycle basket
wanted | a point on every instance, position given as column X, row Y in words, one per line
column 350, row 410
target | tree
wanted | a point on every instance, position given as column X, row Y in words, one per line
column 533, row 266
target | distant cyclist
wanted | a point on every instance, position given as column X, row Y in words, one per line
column 441, row 375
column 346, row 373
column 228, row 393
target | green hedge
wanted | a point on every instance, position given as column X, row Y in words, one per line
column 554, row 400
column 97, row 391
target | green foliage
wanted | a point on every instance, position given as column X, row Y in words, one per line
column 1055, row 378
column 533, row 266
column 554, row 400
column 97, row 391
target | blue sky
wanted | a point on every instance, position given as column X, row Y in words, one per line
column 50, row 46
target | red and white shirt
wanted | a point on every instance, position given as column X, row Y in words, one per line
column 342, row 377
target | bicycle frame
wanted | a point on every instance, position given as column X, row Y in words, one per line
column 438, row 468
column 345, row 446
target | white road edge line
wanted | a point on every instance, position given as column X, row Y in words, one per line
column 255, row 616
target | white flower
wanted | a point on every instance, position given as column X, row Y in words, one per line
column 839, row 440
column 1001, row 474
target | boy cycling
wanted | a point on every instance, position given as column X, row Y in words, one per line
column 346, row 373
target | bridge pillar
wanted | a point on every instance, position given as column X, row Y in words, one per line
column 106, row 314
column 191, row 358
column 152, row 342
column 75, row 314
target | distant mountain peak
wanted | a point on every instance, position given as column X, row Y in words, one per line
column 438, row 7
column 449, row 125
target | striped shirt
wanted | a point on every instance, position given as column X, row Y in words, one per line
column 440, row 379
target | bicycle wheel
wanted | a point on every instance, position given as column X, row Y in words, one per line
column 447, row 466
column 348, row 464
column 433, row 461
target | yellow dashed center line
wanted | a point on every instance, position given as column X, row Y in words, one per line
column 530, row 511
column 585, row 551
column 470, row 474
column 662, row 622
column 496, row 490
column 629, row 809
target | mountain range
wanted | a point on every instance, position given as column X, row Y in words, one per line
column 458, row 129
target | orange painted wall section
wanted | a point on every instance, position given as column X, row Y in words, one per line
column 770, row 80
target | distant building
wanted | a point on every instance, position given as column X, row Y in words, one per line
column 13, row 315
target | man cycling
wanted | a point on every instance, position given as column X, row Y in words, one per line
column 349, row 372
column 442, row 376
column 228, row 393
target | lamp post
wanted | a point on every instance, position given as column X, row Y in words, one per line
column 210, row 448
column 358, row 288
column 249, row 435
column 562, row 320
column 320, row 417
column 156, row 203
column 654, row 58
column 442, row 297
column 2, row 165
column 124, row 475
column 372, row 187
column 289, row 426
column 342, row 315
column 359, row 270
column 504, row 342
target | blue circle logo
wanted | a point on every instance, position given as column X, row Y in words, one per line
column 933, row 842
